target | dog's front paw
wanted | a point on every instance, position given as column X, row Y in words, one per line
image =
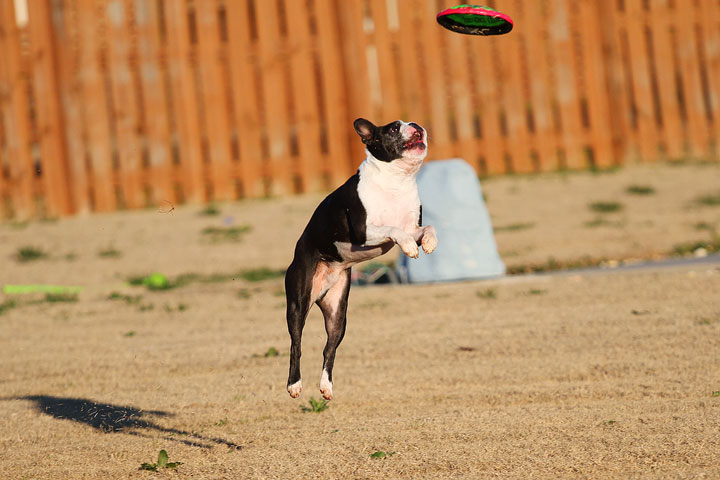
column 409, row 247
column 429, row 240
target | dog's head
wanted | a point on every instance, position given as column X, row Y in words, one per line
column 394, row 141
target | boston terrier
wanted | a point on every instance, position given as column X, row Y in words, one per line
column 364, row 218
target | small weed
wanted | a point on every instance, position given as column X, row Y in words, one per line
column 380, row 454
column 71, row 257
column 162, row 462
column 487, row 293
column 110, row 252
column 29, row 254
column 704, row 321
column 146, row 307
column 136, row 280
column 221, row 422
column 226, row 234
column 316, row 406
column 7, row 305
column 640, row 312
column 514, row 227
column 684, row 249
column 129, row 299
column 61, row 297
column 605, row 207
column 272, row 352
column 181, row 307
column 640, row 190
column 466, row 349
column 210, row 210
column 709, row 200
column 129, row 334
column 716, row 393
column 260, row 274
column 244, row 293
column 610, row 422
column 601, row 222
column 709, row 227
column 536, row 291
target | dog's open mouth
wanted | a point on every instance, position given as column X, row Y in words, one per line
column 415, row 141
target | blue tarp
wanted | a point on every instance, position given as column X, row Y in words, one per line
column 453, row 203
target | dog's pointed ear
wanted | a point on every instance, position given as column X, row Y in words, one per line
column 365, row 129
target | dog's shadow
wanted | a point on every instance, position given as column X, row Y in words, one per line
column 118, row 419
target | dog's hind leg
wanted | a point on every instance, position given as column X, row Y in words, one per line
column 334, row 308
column 298, row 291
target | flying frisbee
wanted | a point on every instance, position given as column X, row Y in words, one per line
column 475, row 20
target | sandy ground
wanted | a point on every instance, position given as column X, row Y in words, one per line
column 582, row 375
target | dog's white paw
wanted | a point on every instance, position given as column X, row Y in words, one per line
column 326, row 386
column 409, row 247
column 295, row 389
column 429, row 240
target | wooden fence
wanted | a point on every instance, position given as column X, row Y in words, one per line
column 110, row 104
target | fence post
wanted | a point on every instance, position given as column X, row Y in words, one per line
column 15, row 108
column 53, row 153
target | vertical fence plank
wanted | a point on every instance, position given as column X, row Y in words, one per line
column 596, row 94
column 95, row 104
column 50, row 129
column 670, row 117
column 67, row 42
column 272, row 62
column 337, row 128
column 708, row 16
column 305, row 97
column 692, row 86
column 155, row 121
column 389, row 107
column 124, row 98
column 184, row 100
column 245, row 92
column 15, row 106
column 217, row 127
column 355, row 65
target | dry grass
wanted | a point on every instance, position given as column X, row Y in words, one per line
column 610, row 375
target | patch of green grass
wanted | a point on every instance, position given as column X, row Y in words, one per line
column 600, row 221
column 226, row 234
column 221, row 422
column 210, row 210
column 129, row 334
column 605, row 207
column 490, row 293
column 146, row 307
column 316, row 406
column 181, row 307
column 129, row 299
column 109, row 252
column 7, row 305
column 709, row 200
column 553, row 264
column 272, row 352
column 260, row 274
column 514, row 227
column 709, row 227
column 380, row 454
column 688, row 248
column 716, row 393
column 29, row 254
column 61, row 297
column 640, row 190
column 610, row 422
column 162, row 462
column 536, row 291
column 704, row 321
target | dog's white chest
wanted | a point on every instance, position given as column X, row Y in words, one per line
column 389, row 200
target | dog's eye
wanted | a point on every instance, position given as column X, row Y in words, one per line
column 394, row 128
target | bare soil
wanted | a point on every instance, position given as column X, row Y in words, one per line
column 606, row 374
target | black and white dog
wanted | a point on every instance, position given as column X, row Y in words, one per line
column 373, row 210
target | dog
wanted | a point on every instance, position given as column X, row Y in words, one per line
column 375, row 209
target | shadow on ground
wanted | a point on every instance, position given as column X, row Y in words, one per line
column 118, row 419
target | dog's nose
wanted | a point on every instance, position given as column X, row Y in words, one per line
column 417, row 127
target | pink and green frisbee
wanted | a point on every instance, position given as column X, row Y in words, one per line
column 475, row 20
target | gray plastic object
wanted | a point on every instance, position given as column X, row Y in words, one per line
column 452, row 202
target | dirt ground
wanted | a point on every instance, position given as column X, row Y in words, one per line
column 604, row 374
